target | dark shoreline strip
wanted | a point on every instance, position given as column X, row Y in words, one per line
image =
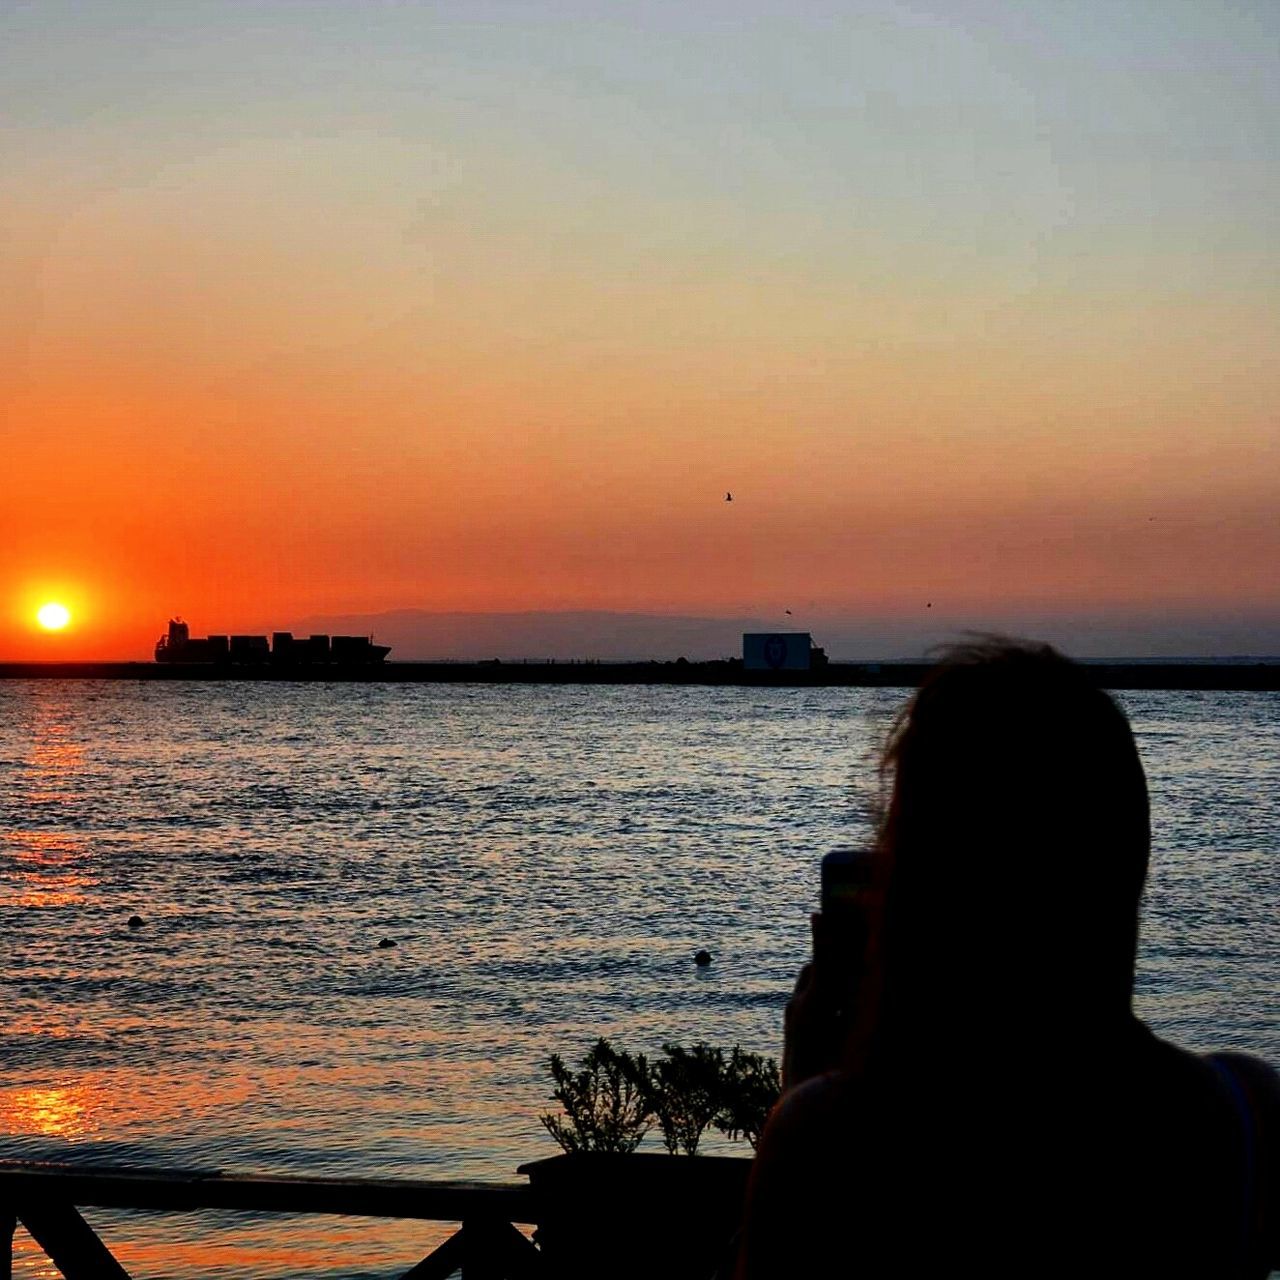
column 1243, row 676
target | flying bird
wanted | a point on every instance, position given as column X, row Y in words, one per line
column 728, row 497
column 787, row 612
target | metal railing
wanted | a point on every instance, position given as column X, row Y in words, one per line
column 46, row 1199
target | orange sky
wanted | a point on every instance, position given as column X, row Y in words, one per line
column 501, row 336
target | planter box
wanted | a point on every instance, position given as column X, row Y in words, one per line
column 639, row 1216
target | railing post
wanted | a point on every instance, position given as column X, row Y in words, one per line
column 442, row 1261
column 482, row 1258
column 70, row 1241
column 8, row 1221
column 495, row 1250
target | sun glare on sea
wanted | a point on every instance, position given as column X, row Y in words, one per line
column 53, row 616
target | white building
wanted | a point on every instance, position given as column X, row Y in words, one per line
column 777, row 650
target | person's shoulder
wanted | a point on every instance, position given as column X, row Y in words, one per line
column 815, row 1109
column 1255, row 1089
column 1256, row 1075
column 796, row 1202
column 1256, row 1086
column 1217, row 1070
column 809, row 1134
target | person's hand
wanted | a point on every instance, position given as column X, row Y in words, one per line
column 814, row 1023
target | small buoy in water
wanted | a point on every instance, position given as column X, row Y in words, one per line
column 135, row 922
column 385, row 943
column 702, row 959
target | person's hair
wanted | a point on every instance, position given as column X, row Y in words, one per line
column 1013, row 845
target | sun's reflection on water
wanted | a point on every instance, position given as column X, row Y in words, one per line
column 55, row 755
column 59, row 1111
column 44, row 868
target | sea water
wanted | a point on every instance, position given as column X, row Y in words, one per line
column 546, row 860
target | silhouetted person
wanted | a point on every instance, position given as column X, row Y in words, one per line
column 997, row 1109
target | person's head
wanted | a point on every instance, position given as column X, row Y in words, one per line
column 1015, row 840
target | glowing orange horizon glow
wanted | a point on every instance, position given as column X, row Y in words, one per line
column 340, row 364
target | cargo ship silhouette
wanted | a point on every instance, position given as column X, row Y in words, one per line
column 178, row 646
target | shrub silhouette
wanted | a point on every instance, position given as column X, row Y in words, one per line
column 686, row 1093
column 752, row 1085
column 611, row 1102
column 606, row 1102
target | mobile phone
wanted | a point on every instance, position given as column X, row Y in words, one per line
column 846, row 875
column 840, row 938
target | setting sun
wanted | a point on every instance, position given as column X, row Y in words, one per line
column 53, row 616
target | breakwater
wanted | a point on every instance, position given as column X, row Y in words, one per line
column 1238, row 676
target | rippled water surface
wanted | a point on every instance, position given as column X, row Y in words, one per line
column 546, row 859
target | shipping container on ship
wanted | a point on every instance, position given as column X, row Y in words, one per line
column 282, row 650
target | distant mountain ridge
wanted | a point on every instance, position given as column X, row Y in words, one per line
column 581, row 635
column 617, row 636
